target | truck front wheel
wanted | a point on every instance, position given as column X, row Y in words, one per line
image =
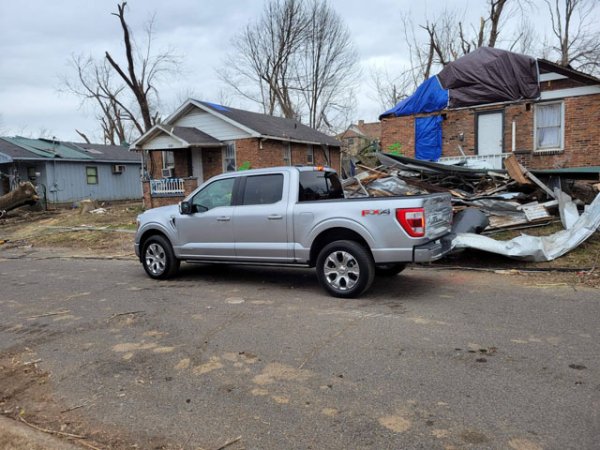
column 345, row 269
column 158, row 258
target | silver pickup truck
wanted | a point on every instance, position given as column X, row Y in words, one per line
column 294, row 216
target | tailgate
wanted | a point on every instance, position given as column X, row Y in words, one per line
column 438, row 215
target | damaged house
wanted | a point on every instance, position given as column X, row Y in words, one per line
column 492, row 103
column 203, row 139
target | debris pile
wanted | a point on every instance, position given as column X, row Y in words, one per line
column 489, row 201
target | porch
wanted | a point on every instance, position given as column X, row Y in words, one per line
column 167, row 191
column 492, row 162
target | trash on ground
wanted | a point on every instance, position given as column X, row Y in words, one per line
column 488, row 200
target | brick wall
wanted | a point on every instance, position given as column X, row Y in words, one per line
column 582, row 133
column 271, row 154
column 183, row 163
column 212, row 162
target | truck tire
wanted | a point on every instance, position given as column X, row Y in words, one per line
column 389, row 270
column 345, row 269
column 158, row 258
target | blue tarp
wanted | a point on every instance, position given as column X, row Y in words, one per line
column 428, row 138
column 429, row 97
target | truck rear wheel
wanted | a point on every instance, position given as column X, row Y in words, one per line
column 345, row 269
column 158, row 258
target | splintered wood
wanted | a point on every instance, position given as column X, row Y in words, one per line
column 511, row 198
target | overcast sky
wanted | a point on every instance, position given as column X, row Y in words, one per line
column 39, row 36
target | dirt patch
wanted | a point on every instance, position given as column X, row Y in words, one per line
column 110, row 232
column 26, row 395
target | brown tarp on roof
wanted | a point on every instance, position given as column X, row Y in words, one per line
column 490, row 75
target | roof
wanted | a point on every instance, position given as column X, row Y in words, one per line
column 549, row 66
column 366, row 130
column 194, row 136
column 13, row 151
column 272, row 127
column 21, row 148
column 102, row 152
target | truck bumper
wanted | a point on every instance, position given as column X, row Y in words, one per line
column 431, row 251
column 136, row 247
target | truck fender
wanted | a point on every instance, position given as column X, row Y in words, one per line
column 352, row 225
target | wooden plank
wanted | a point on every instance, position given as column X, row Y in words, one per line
column 515, row 171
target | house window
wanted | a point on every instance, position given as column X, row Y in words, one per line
column 310, row 154
column 549, row 126
column 327, row 156
column 229, row 158
column 168, row 160
column 91, row 173
column 287, row 154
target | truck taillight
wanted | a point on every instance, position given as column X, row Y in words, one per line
column 412, row 220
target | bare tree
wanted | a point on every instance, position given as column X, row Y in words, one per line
column 95, row 83
column 389, row 90
column 125, row 94
column 578, row 36
column 264, row 54
column 327, row 67
column 297, row 60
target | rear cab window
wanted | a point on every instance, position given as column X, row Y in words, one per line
column 263, row 189
column 319, row 185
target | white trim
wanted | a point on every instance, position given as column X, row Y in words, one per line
column 209, row 110
column 224, row 156
column 149, row 135
column 570, row 92
column 552, row 76
column 562, row 129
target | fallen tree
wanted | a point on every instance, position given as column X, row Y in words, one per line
column 24, row 194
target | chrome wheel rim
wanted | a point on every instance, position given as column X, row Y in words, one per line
column 341, row 270
column 156, row 259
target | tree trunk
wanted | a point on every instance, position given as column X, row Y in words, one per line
column 24, row 194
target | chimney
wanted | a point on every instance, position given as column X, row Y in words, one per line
column 361, row 123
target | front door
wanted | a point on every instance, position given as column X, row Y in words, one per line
column 489, row 133
column 197, row 170
column 208, row 231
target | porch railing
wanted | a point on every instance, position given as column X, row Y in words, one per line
column 477, row 161
column 167, row 187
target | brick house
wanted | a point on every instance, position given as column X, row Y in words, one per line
column 359, row 136
column 556, row 128
column 203, row 139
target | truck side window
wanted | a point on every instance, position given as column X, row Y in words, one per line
column 263, row 189
column 217, row 193
column 319, row 185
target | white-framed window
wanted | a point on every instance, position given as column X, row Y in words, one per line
column 229, row 164
column 287, row 154
column 310, row 154
column 549, row 127
column 168, row 158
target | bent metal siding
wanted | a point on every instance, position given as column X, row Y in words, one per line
column 67, row 182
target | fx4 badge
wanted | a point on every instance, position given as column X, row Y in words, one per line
column 375, row 212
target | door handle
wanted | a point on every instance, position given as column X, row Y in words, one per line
column 275, row 217
column 223, row 219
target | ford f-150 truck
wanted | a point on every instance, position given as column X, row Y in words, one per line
column 294, row 216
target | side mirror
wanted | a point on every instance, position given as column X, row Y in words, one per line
column 185, row 207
